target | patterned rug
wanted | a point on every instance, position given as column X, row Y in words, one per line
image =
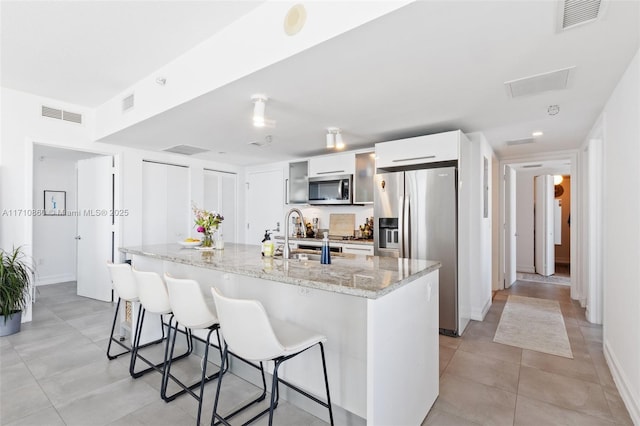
column 535, row 324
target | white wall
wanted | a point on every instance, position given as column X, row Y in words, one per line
column 23, row 125
column 54, row 246
column 621, row 236
column 480, row 255
column 525, row 221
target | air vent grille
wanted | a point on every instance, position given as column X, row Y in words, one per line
column 185, row 150
column 576, row 12
column 59, row 114
column 128, row 102
column 72, row 117
column 532, row 166
column 553, row 80
column 51, row 112
column 520, row 141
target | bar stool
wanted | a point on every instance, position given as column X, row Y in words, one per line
column 250, row 334
column 125, row 285
column 192, row 312
column 154, row 299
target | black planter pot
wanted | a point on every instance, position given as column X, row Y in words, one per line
column 12, row 325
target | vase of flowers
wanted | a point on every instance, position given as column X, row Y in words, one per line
column 207, row 222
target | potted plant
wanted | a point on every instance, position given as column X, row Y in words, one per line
column 15, row 276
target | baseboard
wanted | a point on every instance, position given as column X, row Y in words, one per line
column 55, row 279
column 479, row 314
column 529, row 269
column 632, row 402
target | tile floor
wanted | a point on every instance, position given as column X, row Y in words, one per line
column 54, row 372
column 487, row 383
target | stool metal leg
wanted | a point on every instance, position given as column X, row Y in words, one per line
column 112, row 339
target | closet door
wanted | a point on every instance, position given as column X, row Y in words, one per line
column 544, row 245
column 220, row 195
column 165, row 203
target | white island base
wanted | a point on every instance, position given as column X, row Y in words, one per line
column 382, row 353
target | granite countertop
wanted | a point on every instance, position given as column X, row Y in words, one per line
column 357, row 275
column 319, row 240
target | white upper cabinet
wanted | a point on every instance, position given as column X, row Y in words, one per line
column 338, row 164
column 418, row 150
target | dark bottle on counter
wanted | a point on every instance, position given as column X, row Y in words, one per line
column 325, row 257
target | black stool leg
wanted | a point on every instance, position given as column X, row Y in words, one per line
column 326, row 383
column 111, row 338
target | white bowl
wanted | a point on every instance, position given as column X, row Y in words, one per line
column 190, row 243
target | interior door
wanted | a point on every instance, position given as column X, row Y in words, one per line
column 544, row 239
column 265, row 198
column 510, row 226
column 220, row 190
column 95, row 227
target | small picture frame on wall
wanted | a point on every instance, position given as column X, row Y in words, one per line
column 55, row 203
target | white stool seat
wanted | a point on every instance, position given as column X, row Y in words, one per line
column 192, row 312
column 293, row 337
column 250, row 334
column 125, row 286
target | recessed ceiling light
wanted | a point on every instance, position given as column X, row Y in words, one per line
column 537, row 134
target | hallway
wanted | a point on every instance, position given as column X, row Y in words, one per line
column 487, row 383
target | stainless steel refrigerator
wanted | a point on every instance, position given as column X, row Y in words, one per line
column 416, row 217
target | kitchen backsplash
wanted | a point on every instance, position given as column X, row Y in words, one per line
column 323, row 212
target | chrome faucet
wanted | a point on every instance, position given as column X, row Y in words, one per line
column 287, row 251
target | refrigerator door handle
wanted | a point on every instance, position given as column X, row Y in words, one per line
column 401, row 235
column 406, row 238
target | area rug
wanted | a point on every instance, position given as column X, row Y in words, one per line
column 534, row 324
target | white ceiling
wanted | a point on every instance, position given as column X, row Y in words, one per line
column 428, row 67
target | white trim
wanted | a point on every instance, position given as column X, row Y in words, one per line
column 477, row 314
column 630, row 400
column 55, row 279
column 528, row 269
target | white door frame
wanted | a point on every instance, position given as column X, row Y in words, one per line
column 575, row 205
column 28, row 179
column 594, row 225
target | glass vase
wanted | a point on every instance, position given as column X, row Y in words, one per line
column 207, row 240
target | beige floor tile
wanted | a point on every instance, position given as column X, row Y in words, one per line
column 565, row 392
column 485, row 370
column 617, row 407
column 530, row 412
column 438, row 417
column 493, row 350
column 580, row 367
column 450, row 342
column 445, row 357
column 480, row 331
column 475, row 402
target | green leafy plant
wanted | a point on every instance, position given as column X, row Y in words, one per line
column 15, row 276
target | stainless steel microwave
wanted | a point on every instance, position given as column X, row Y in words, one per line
column 331, row 189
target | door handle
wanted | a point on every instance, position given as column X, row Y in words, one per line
column 401, row 226
column 78, row 237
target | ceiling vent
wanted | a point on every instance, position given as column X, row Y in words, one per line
column 59, row 114
column 532, row 166
column 554, row 80
column 185, row 150
column 520, row 141
column 578, row 12
column 127, row 103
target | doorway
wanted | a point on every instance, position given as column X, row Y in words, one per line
column 66, row 219
column 523, row 205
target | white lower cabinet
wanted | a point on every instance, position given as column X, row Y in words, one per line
column 364, row 249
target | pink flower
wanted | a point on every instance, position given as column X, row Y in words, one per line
column 200, row 229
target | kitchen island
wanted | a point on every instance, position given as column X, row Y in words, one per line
column 380, row 316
